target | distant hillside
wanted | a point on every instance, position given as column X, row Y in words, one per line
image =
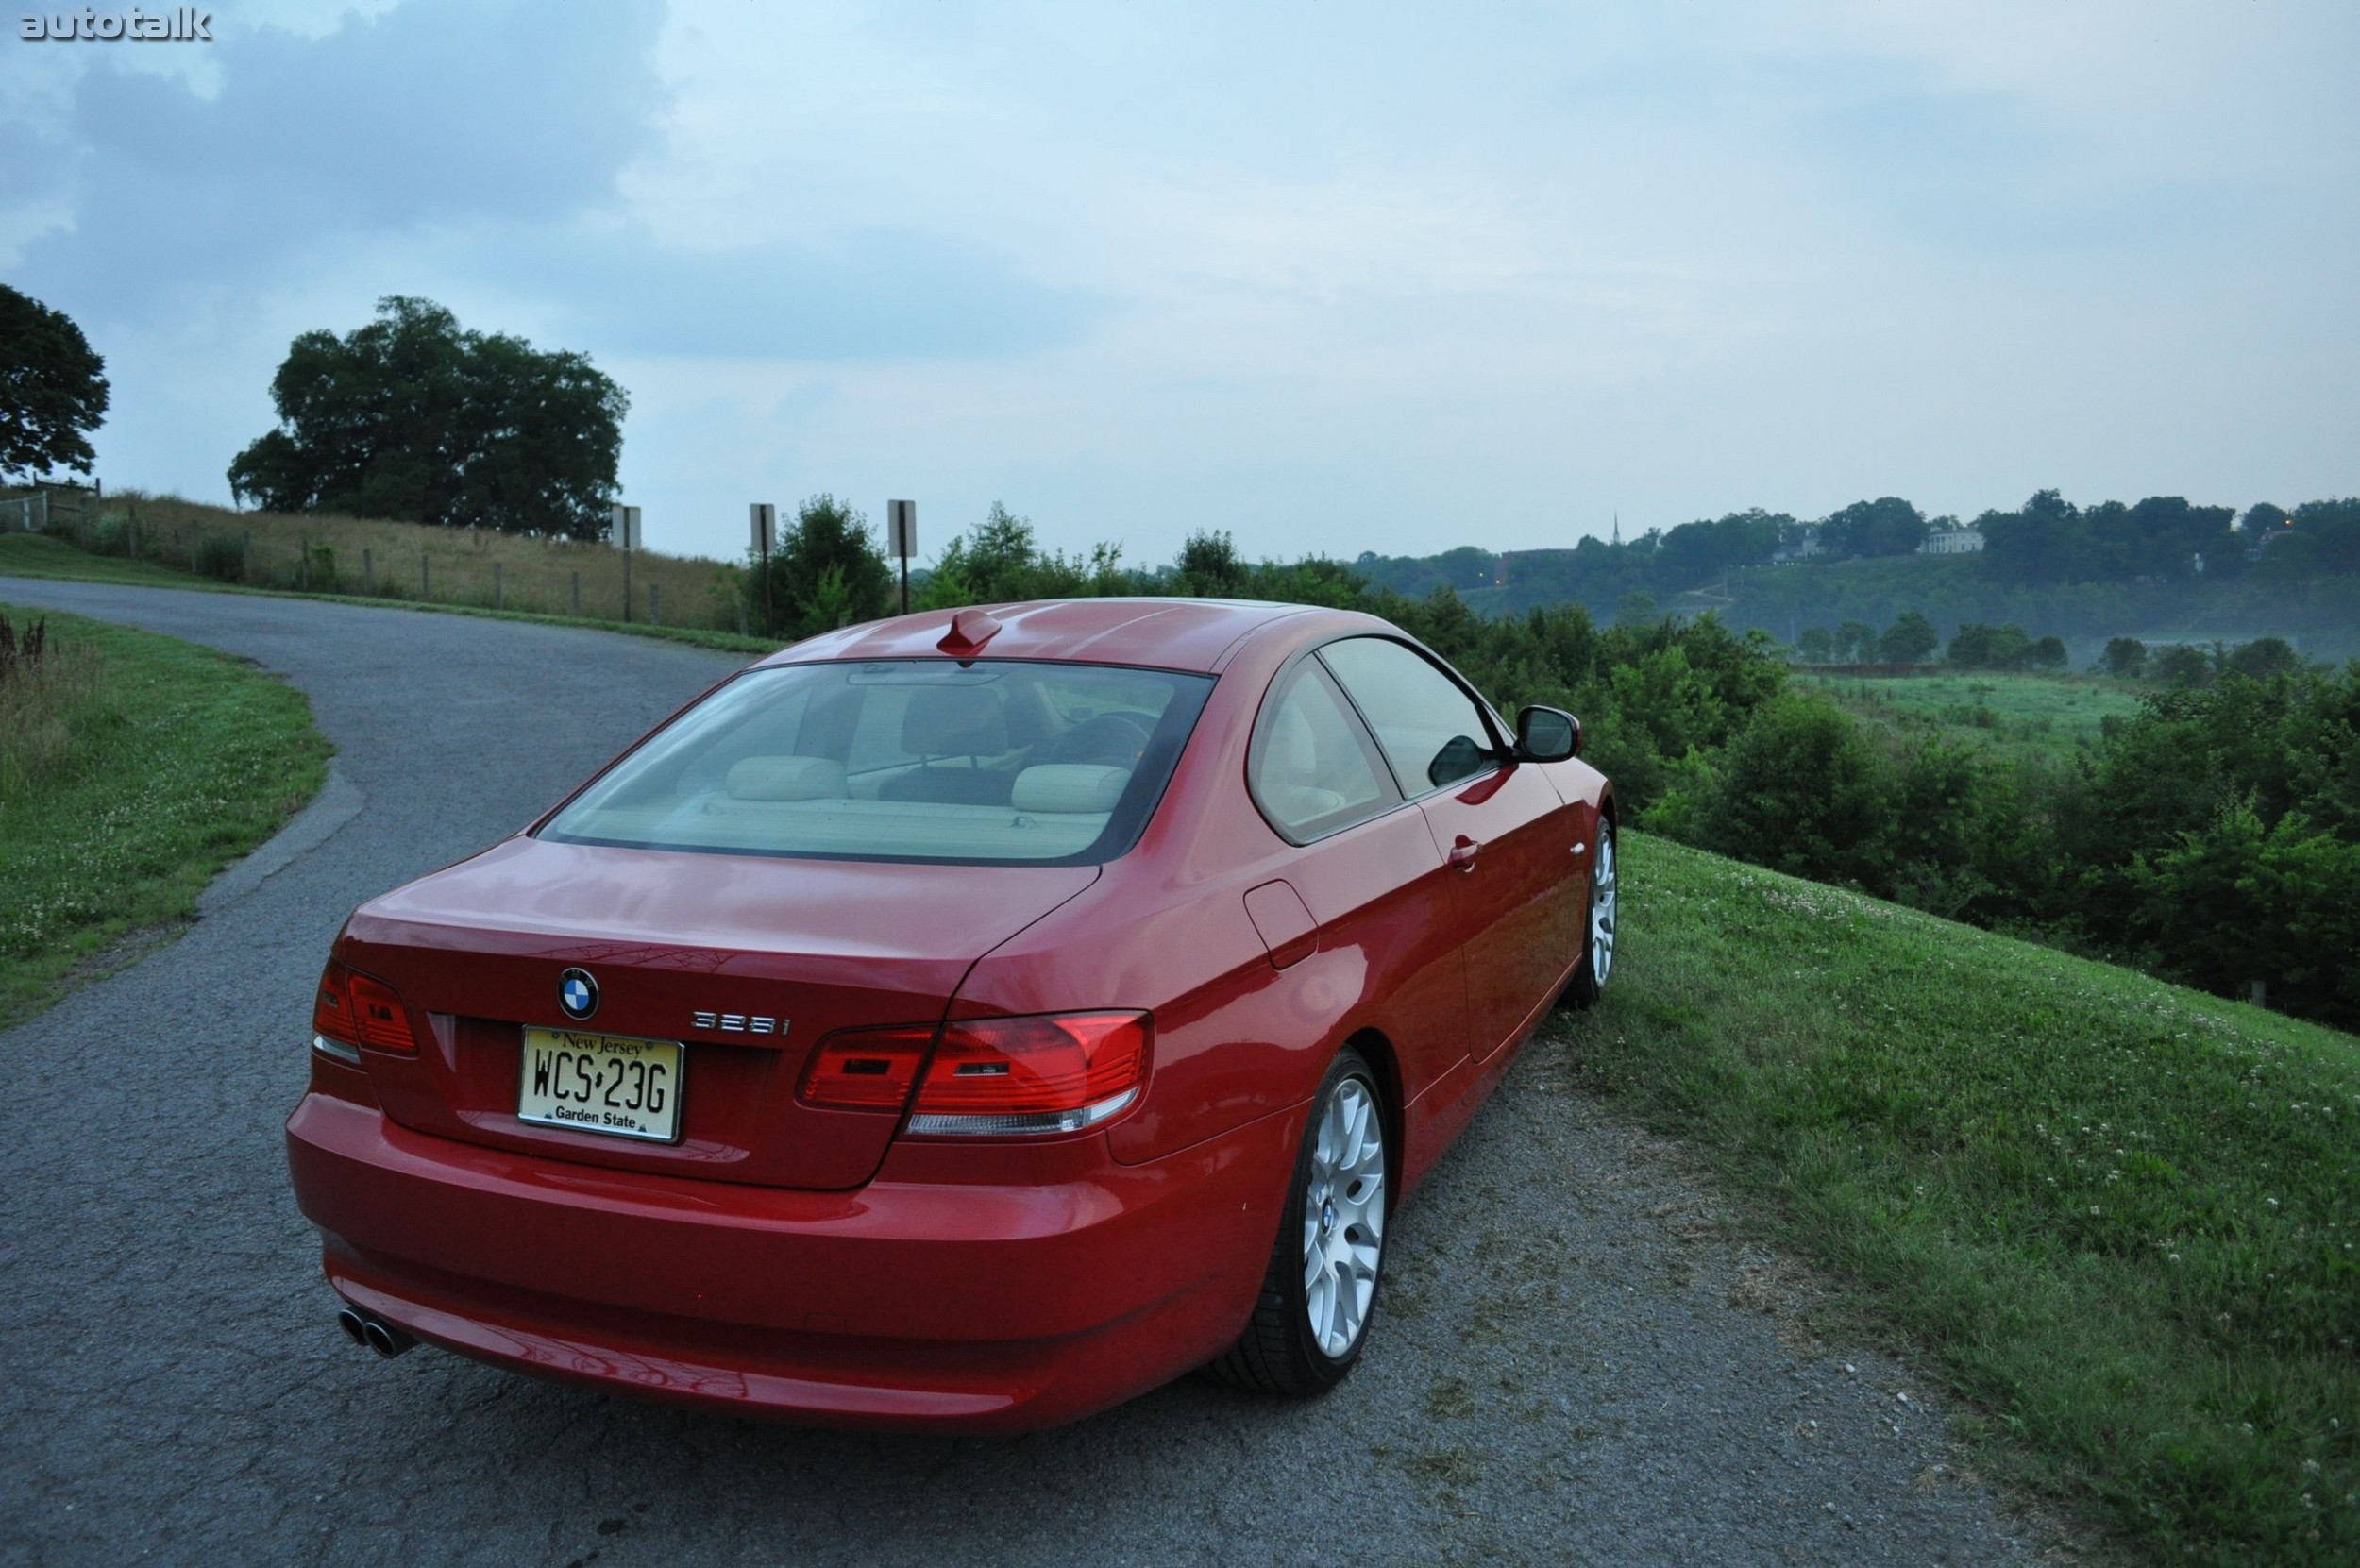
column 2161, row 569
column 2320, row 616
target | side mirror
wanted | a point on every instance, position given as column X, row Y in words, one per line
column 1458, row 758
column 1546, row 735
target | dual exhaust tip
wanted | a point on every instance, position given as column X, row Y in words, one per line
column 367, row 1329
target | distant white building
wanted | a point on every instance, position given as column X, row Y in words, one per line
column 1953, row 541
column 1808, row 548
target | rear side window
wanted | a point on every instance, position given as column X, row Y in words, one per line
column 1429, row 728
column 924, row 760
column 1312, row 769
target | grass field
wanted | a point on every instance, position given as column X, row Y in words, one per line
column 32, row 555
column 2119, row 1217
column 2049, row 716
column 132, row 768
column 375, row 559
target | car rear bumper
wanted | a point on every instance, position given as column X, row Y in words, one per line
column 905, row 1302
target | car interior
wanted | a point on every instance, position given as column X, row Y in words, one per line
column 1015, row 761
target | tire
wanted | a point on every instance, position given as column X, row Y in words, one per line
column 1598, row 922
column 1318, row 1296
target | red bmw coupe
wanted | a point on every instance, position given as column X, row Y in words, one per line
column 959, row 1021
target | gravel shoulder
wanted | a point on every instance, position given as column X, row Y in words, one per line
column 1575, row 1361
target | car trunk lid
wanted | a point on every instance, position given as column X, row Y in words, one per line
column 683, row 947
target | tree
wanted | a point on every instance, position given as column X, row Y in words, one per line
column 2126, row 658
column 413, row 418
column 2179, row 665
column 1208, row 567
column 1909, row 639
column 2260, row 518
column 1856, row 642
column 1800, row 789
column 1815, row 644
column 1981, row 647
column 2262, row 658
column 52, row 389
column 827, row 570
column 1888, row 526
column 2046, row 654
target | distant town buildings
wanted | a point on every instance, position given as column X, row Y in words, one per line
column 1952, row 541
column 1808, row 548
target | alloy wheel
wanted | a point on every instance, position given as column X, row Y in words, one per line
column 1602, row 911
column 1343, row 1217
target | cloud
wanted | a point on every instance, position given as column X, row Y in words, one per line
column 436, row 112
column 445, row 144
column 1980, row 169
column 872, row 292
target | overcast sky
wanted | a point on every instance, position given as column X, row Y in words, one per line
column 1332, row 276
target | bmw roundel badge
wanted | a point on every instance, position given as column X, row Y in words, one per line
column 578, row 993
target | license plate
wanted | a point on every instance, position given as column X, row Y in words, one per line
column 601, row 1084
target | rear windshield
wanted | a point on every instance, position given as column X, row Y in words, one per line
column 998, row 761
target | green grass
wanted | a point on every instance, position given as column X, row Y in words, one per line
column 2117, row 1216
column 132, row 768
column 38, row 555
column 2048, row 715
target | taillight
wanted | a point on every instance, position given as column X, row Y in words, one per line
column 865, row 1069
column 332, row 1009
column 358, row 1009
column 1058, row 1074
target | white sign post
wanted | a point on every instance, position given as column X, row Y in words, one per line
column 626, row 533
column 902, row 520
column 762, row 519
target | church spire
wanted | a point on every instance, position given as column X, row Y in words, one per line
column 1618, row 529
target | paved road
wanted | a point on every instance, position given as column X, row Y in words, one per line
column 1572, row 1365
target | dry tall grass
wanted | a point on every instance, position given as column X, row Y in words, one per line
column 51, row 697
column 411, row 561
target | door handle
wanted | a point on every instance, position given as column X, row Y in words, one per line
column 1462, row 853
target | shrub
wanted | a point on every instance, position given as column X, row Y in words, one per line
column 1802, row 790
column 1981, row 647
column 1909, row 639
column 222, row 557
column 2178, row 664
column 2125, row 658
column 2262, row 658
column 2238, row 901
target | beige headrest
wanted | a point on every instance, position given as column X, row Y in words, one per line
column 786, row 779
column 1069, row 786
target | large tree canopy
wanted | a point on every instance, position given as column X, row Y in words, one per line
column 52, row 389
column 409, row 417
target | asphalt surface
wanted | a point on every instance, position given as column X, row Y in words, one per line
column 1572, row 1362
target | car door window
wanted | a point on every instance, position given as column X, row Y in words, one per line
column 1313, row 769
column 1429, row 728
